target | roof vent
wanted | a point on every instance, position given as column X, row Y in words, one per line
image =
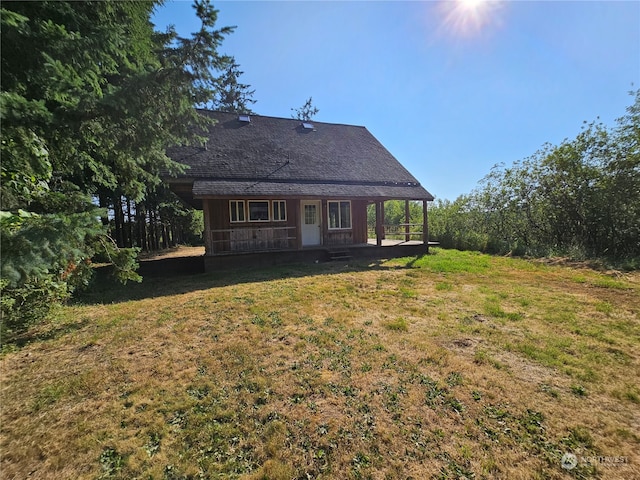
column 307, row 125
column 244, row 118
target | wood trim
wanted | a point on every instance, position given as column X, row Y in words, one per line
column 379, row 223
column 407, row 219
column 207, row 228
column 425, row 221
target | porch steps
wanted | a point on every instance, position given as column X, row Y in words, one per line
column 339, row 255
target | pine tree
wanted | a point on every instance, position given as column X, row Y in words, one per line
column 306, row 112
column 91, row 97
column 233, row 96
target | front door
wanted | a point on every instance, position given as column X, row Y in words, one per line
column 310, row 212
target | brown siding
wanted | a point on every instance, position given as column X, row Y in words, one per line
column 293, row 216
column 218, row 214
column 359, row 221
column 339, row 237
column 356, row 235
column 248, row 236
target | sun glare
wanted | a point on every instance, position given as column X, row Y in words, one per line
column 471, row 4
column 469, row 17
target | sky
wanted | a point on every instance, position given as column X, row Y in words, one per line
column 450, row 88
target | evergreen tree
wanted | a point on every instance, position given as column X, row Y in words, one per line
column 233, row 96
column 91, row 97
column 306, row 112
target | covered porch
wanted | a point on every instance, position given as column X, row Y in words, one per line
column 367, row 251
column 361, row 232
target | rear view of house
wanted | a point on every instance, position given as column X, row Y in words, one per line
column 278, row 184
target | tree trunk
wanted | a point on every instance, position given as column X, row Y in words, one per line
column 129, row 224
column 118, row 218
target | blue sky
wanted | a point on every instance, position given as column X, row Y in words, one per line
column 449, row 89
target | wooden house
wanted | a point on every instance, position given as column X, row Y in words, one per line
column 277, row 184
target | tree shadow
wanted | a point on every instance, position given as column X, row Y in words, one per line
column 41, row 333
column 106, row 290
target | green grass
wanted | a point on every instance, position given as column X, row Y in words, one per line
column 398, row 325
column 447, row 365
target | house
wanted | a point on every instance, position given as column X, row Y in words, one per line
column 270, row 184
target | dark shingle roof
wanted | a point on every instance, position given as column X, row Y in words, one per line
column 278, row 156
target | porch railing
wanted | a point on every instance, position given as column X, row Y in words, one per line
column 402, row 231
column 250, row 239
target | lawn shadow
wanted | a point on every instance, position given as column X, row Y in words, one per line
column 41, row 333
column 160, row 282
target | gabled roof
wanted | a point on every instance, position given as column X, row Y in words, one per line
column 270, row 156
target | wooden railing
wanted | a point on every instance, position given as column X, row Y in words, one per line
column 250, row 239
column 402, row 231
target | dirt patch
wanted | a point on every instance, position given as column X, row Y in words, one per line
column 518, row 367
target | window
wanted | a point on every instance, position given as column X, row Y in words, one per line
column 339, row 214
column 236, row 208
column 258, row 210
column 279, row 211
column 309, row 214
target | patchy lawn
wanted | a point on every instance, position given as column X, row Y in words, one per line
column 452, row 365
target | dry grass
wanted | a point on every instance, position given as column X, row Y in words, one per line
column 179, row 251
column 453, row 365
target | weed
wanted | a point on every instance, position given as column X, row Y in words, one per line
column 549, row 390
column 604, row 307
column 48, row 396
column 608, row 282
column 111, row 462
column 275, row 319
column 408, row 292
column 492, row 308
column 397, row 325
column 579, row 390
column 444, row 286
column 628, row 392
column 578, row 438
column 153, row 444
column 455, row 404
column 483, row 357
column 454, row 378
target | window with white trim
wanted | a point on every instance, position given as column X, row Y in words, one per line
column 236, row 211
column 258, row 210
column 279, row 210
column 339, row 213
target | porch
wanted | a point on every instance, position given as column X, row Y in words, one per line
column 258, row 239
column 389, row 248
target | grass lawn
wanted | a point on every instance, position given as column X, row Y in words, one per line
column 452, row 365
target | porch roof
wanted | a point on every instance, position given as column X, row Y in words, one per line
column 300, row 189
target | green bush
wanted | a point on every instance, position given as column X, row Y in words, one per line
column 25, row 305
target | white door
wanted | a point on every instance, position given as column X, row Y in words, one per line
column 310, row 212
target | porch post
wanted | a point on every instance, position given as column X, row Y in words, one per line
column 382, row 232
column 298, row 213
column 407, row 221
column 425, row 225
column 379, row 227
column 208, row 247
